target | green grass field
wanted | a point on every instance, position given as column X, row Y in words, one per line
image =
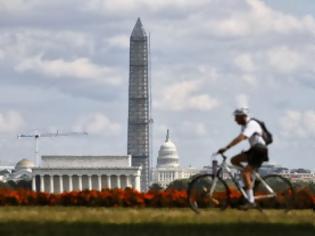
column 108, row 221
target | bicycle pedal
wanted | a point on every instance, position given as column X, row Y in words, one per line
column 204, row 189
column 214, row 201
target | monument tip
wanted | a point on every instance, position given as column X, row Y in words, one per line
column 138, row 30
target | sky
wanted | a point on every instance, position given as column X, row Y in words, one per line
column 64, row 66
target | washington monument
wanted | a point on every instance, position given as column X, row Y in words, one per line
column 139, row 103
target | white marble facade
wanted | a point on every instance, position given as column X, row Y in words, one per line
column 164, row 176
column 59, row 174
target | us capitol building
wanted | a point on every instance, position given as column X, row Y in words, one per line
column 168, row 167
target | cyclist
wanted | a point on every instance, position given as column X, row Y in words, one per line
column 254, row 157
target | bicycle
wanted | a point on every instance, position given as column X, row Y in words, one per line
column 215, row 190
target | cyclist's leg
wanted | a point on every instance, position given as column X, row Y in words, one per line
column 247, row 173
column 238, row 159
column 254, row 159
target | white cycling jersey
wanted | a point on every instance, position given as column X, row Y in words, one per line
column 253, row 131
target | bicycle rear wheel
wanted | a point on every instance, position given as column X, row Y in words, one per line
column 206, row 192
column 304, row 199
column 283, row 195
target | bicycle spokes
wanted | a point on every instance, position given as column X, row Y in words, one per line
column 274, row 191
column 206, row 192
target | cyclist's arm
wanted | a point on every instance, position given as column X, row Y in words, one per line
column 235, row 141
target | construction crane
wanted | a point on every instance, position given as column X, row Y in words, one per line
column 36, row 135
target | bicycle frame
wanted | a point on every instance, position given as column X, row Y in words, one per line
column 225, row 167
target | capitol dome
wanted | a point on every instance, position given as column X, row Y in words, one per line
column 168, row 157
column 24, row 164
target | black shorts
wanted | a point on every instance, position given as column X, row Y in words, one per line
column 256, row 155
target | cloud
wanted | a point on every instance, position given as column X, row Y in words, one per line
column 259, row 19
column 16, row 5
column 284, row 60
column 185, row 96
column 207, row 73
column 98, row 123
column 22, row 6
column 108, row 6
column 22, row 43
column 249, row 78
column 11, row 122
column 298, row 124
column 2, row 55
column 194, row 128
column 120, row 41
column 190, row 129
column 293, row 61
column 245, row 62
column 242, row 100
column 80, row 68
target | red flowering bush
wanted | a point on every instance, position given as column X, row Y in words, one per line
column 304, row 199
column 121, row 198
column 168, row 198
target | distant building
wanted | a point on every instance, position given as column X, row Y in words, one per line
column 76, row 173
column 5, row 175
column 21, row 171
column 294, row 175
column 303, row 175
column 268, row 168
column 168, row 167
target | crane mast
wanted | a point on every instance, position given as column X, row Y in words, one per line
column 38, row 135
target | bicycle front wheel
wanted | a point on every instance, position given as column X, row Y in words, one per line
column 277, row 192
column 206, row 192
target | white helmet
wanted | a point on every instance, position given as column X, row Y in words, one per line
column 243, row 111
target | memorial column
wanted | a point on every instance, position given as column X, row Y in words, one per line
column 118, row 181
column 99, row 182
column 70, row 183
column 42, row 184
column 80, row 182
column 60, row 184
column 90, row 182
column 51, row 177
column 109, row 186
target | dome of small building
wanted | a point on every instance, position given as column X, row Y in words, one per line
column 24, row 164
column 168, row 156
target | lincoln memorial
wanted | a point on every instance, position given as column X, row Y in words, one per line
column 59, row 174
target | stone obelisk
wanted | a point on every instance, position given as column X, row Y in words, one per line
column 139, row 103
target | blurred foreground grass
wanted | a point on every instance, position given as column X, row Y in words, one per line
column 118, row 221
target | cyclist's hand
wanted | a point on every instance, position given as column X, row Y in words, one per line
column 222, row 150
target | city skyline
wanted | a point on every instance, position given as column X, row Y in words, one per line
column 208, row 57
